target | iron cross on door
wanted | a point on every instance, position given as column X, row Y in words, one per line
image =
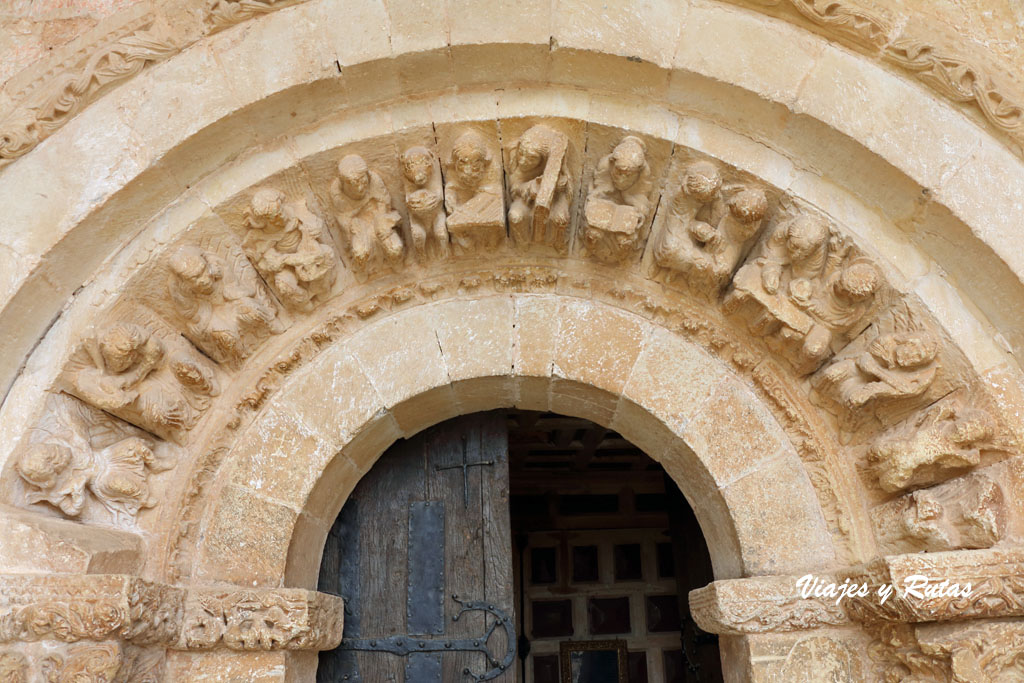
column 422, row 558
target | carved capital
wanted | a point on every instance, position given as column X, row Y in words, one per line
column 282, row 619
column 762, row 604
column 996, row 579
column 71, row 608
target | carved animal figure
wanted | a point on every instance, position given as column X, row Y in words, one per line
column 423, row 199
column 932, row 445
column 473, row 199
column 618, row 202
column 225, row 316
column 367, row 219
column 540, row 188
column 289, row 246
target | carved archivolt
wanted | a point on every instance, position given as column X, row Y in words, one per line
column 40, row 110
column 762, row 280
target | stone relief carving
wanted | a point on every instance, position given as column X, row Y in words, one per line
column 225, row 310
column 540, row 187
column 104, row 662
column 896, row 366
column 706, row 236
column 118, row 476
column 78, row 453
column 761, row 605
column 14, row 667
column 985, row 652
column 618, row 202
column 897, row 656
column 71, row 608
column 67, row 89
column 818, row 658
column 263, row 620
column 290, row 247
column 933, row 445
column 424, row 199
column 126, row 370
column 473, row 197
column 806, row 292
column 997, row 586
column 369, row 224
column 223, row 14
column 129, row 372
column 964, row 513
column 96, row 662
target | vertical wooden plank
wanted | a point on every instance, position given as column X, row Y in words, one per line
column 492, row 444
column 384, row 496
column 464, row 554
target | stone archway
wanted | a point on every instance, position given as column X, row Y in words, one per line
column 148, row 536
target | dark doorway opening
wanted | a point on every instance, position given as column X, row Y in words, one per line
column 606, row 550
column 517, row 546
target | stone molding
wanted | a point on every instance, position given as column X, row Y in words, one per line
column 117, row 57
column 774, row 604
column 72, row 608
column 768, row 604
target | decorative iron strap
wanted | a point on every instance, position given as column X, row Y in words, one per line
column 407, row 645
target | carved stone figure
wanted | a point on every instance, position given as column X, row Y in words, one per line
column 932, row 445
column 225, row 312
column 895, row 366
column 57, row 475
column 421, row 177
column 618, row 202
column 124, row 371
column 969, row 512
column 540, row 187
column 804, row 292
column 289, row 246
column 706, row 237
column 370, row 225
column 118, row 476
column 473, row 198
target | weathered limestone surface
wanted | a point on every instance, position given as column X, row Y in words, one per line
column 246, row 247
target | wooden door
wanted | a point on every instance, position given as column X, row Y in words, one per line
column 421, row 552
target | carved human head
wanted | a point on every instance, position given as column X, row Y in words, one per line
column 43, row 463
column 804, row 235
column 857, row 282
column 417, row 165
column 191, row 266
column 629, row 158
column 120, row 346
column 532, row 148
column 354, row 175
column 702, row 181
column 267, row 206
column 749, row 207
column 470, row 158
column 913, row 349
